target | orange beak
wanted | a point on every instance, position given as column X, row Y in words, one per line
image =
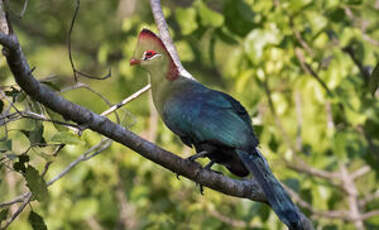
column 134, row 61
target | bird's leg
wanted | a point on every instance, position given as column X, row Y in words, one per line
column 201, row 189
column 209, row 165
column 198, row 155
column 193, row 158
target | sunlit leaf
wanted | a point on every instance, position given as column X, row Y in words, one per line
column 66, row 138
column 56, row 117
column 186, row 18
column 35, row 136
column 208, row 17
column 51, row 84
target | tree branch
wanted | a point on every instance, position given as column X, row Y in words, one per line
column 70, row 111
column 74, row 70
column 126, row 100
column 308, row 69
column 368, row 198
column 349, row 185
column 26, row 201
column 360, row 172
column 165, row 36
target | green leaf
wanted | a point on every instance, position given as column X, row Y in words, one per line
column 35, row 136
column 5, row 146
column 21, row 97
column 186, row 18
column 36, row 183
column 239, row 18
column 3, row 214
column 56, row 117
column 51, row 85
column 66, row 138
column 257, row 40
column 339, row 146
column 36, row 221
column 226, row 36
column 374, row 80
column 208, row 17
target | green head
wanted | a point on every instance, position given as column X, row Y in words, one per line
column 152, row 55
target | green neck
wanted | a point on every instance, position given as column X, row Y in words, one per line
column 160, row 84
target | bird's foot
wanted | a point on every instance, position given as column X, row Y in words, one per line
column 198, row 155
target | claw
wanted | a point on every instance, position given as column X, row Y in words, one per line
column 209, row 165
column 201, row 189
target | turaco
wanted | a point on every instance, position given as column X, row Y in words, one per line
column 213, row 122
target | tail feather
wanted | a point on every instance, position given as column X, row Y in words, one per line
column 277, row 197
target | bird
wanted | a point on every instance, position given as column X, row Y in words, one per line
column 212, row 122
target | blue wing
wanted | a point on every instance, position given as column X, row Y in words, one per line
column 203, row 115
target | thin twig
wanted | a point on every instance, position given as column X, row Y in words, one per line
column 360, row 172
column 18, row 211
column 308, row 69
column 85, row 86
column 23, row 9
column 285, row 135
column 126, row 100
column 369, row 214
column 101, row 146
column 368, row 198
column 303, row 167
column 74, row 70
column 300, row 39
column 299, row 119
column 364, row 72
column 98, row 148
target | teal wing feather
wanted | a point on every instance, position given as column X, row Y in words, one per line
column 200, row 114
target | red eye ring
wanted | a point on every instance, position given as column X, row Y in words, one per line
column 149, row 53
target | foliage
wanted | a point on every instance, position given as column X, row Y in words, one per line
column 261, row 52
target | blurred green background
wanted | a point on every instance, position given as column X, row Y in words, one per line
column 256, row 50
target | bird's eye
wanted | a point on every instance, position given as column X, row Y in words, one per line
column 149, row 54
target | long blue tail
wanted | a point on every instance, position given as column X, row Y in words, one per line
column 277, row 197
